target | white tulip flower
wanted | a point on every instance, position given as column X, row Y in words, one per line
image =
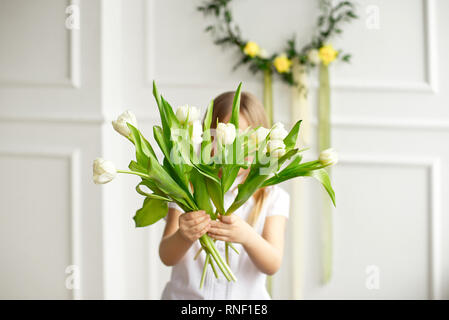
column 197, row 132
column 328, row 157
column 260, row 134
column 104, row 171
column 314, row 57
column 187, row 113
column 225, row 133
column 182, row 113
column 120, row 124
column 276, row 148
column 278, row 132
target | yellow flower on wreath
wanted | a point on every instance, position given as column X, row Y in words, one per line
column 282, row 63
column 327, row 54
column 251, row 49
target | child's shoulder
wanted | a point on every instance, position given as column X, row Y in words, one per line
column 278, row 202
column 278, row 193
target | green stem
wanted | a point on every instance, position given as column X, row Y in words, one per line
column 143, row 175
column 227, row 252
column 209, row 247
column 206, row 263
column 226, row 266
column 211, row 261
column 268, row 94
column 220, row 262
column 270, row 285
column 233, row 248
column 198, row 253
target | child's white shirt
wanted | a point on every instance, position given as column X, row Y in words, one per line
column 251, row 282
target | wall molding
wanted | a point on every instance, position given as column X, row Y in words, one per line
column 73, row 79
column 433, row 166
column 385, row 123
column 428, row 85
column 344, row 122
column 73, row 157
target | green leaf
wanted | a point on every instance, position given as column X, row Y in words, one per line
column 206, row 144
column 170, row 114
column 216, row 195
column 303, row 171
column 200, row 193
column 207, row 171
column 152, row 211
column 168, row 185
column 235, row 114
column 158, row 135
column 290, row 140
column 152, row 186
column 230, row 173
column 150, row 195
column 256, row 179
column 208, row 117
column 134, row 166
column 322, row 176
column 294, row 169
column 246, row 190
column 177, row 167
column 142, row 154
column 146, row 146
column 157, row 96
column 168, row 118
column 142, row 144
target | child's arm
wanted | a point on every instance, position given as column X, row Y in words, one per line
column 181, row 231
column 265, row 251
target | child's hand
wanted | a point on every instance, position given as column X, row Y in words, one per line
column 192, row 225
column 230, row 228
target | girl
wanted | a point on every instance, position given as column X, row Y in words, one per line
column 256, row 228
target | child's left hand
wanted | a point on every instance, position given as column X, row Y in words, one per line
column 230, row 228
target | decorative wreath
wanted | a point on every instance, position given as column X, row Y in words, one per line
column 227, row 33
column 318, row 52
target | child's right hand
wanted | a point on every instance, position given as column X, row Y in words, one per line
column 192, row 225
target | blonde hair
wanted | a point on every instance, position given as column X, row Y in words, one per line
column 254, row 113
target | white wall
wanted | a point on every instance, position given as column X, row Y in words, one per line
column 59, row 89
column 50, row 121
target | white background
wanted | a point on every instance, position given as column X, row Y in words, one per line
column 59, row 90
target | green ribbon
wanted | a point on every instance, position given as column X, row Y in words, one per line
column 324, row 142
column 268, row 105
column 268, row 94
column 300, row 108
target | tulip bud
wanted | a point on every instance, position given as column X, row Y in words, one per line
column 328, row 157
column 260, row 134
column 103, row 171
column 120, row 124
column 226, row 133
column 276, row 148
column 197, row 131
column 187, row 113
column 278, row 132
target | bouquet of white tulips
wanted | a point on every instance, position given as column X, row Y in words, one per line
column 200, row 165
